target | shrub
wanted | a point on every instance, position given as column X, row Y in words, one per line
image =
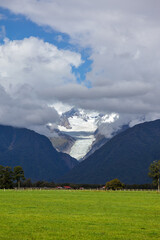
column 114, row 184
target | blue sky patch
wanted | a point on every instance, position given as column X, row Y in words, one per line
column 17, row 27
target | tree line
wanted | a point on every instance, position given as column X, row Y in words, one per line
column 154, row 173
column 15, row 178
column 9, row 177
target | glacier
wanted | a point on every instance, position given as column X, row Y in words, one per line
column 81, row 146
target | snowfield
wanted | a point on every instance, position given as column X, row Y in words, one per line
column 80, row 125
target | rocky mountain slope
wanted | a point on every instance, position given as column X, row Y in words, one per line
column 126, row 156
column 62, row 142
column 34, row 152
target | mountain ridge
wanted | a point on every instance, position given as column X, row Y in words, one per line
column 34, row 152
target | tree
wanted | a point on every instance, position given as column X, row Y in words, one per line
column 154, row 173
column 18, row 175
column 27, row 183
column 6, row 177
column 114, row 184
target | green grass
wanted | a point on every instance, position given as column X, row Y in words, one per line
column 77, row 215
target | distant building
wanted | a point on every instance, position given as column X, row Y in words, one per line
column 67, row 187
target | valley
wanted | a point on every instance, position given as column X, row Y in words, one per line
column 79, row 214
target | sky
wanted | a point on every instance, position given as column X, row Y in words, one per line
column 100, row 55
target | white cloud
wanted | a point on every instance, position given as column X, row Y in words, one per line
column 35, row 63
column 29, row 68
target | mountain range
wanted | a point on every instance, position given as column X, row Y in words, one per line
column 127, row 156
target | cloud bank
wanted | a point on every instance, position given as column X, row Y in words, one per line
column 29, row 69
column 124, row 38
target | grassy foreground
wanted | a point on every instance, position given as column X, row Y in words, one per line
column 87, row 215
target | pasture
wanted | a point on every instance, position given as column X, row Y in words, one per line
column 79, row 215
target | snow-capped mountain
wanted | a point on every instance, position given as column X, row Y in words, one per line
column 79, row 120
column 87, row 131
column 82, row 126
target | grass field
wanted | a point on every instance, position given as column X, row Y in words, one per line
column 87, row 215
